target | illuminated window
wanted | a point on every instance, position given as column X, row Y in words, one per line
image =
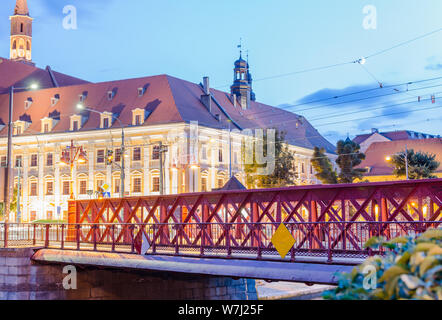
column 136, row 156
column 117, row 155
column 83, row 187
column 49, row 188
column 100, row 156
column 203, row 184
column 136, row 188
column 116, row 185
column 4, row 162
column 100, row 182
column 106, row 123
column 33, row 189
column 155, row 184
column 18, row 161
column 156, row 153
column 49, row 159
column 66, row 188
column 34, row 160
column 220, row 183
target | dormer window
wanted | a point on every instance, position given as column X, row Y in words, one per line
column 111, row 94
column 47, row 124
column 138, row 117
column 106, row 120
column 83, row 96
column 141, row 91
column 20, row 127
column 28, row 103
column 75, row 123
column 54, row 100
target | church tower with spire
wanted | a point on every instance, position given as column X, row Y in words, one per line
column 242, row 83
column 21, row 33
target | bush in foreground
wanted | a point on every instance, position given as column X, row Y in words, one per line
column 411, row 269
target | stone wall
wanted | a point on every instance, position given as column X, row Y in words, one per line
column 21, row 279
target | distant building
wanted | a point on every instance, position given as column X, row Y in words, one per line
column 152, row 110
column 365, row 140
column 379, row 169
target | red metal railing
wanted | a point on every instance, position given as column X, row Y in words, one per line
column 314, row 242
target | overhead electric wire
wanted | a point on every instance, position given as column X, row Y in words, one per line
column 346, row 102
column 403, row 43
column 378, row 116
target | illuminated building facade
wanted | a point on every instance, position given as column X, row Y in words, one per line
column 156, row 112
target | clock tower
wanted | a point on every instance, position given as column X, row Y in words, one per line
column 21, row 33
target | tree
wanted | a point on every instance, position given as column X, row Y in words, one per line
column 284, row 173
column 12, row 206
column 323, row 166
column 349, row 157
column 420, row 165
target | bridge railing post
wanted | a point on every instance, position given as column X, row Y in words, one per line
column 113, row 237
column 258, row 233
column 132, row 238
column 229, row 249
column 6, row 235
column 62, row 237
column 47, row 236
column 292, row 250
column 203, row 238
column 34, row 240
column 77, row 231
column 154, row 236
column 328, row 227
column 177, row 238
column 94, row 236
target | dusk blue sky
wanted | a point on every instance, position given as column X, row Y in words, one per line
column 190, row 39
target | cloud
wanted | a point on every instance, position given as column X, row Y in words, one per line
column 434, row 67
column 433, row 64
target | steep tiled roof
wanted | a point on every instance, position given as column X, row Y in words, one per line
column 395, row 135
column 21, row 75
column 167, row 100
column 378, row 151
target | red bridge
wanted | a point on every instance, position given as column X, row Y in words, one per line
column 329, row 224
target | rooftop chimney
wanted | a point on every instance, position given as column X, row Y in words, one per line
column 206, row 98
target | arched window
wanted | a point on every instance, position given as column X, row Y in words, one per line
column 21, row 27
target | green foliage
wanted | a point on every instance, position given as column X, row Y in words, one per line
column 411, row 269
column 349, row 156
column 323, row 166
column 420, row 165
column 284, row 173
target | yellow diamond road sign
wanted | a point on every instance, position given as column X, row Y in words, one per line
column 105, row 187
column 282, row 240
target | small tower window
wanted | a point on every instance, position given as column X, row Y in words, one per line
column 21, row 27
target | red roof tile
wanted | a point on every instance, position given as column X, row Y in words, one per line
column 168, row 99
column 20, row 74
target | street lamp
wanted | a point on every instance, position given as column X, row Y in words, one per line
column 8, row 173
column 122, row 174
column 389, row 158
column 69, row 156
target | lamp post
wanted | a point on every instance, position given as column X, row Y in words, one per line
column 69, row 157
column 122, row 174
column 18, row 191
column 8, row 173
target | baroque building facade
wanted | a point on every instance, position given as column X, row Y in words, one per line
column 195, row 129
